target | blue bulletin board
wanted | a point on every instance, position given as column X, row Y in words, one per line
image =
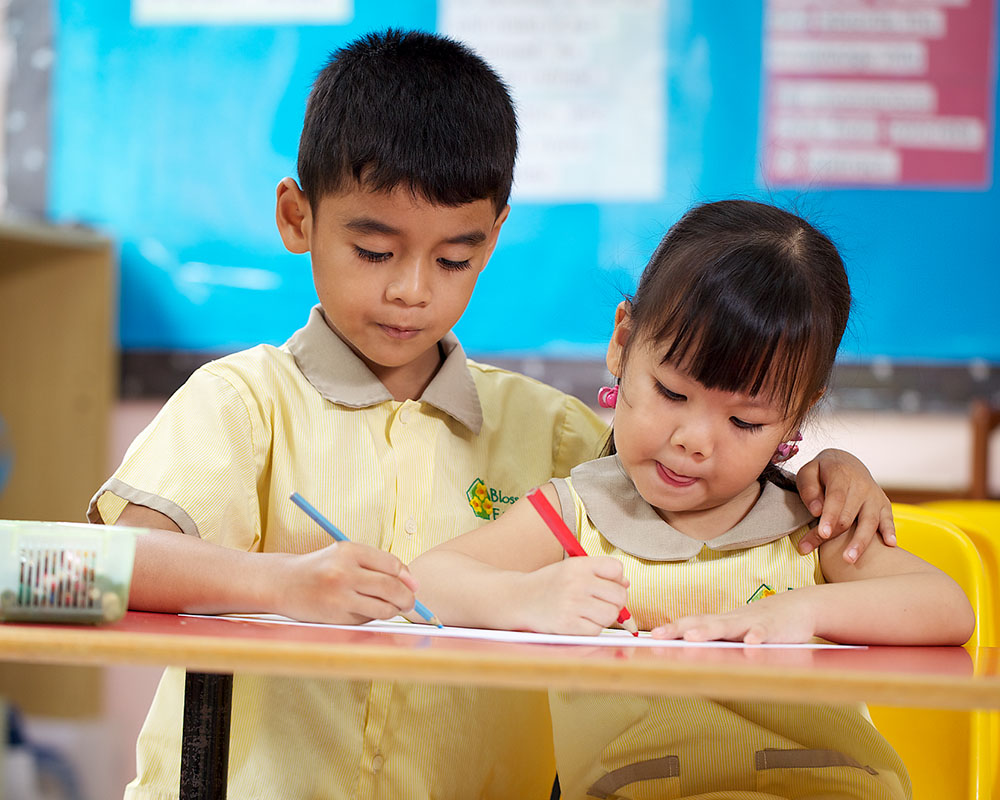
column 172, row 138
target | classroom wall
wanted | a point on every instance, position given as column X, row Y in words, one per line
column 172, row 135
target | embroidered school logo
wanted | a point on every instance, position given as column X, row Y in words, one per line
column 762, row 591
column 485, row 501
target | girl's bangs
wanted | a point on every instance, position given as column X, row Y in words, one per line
column 732, row 344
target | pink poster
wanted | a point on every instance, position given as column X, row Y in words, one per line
column 879, row 92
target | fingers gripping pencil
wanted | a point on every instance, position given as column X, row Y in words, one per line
column 570, row 544
column 337, row 534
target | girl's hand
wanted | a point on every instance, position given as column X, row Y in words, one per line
column 345, row 583
column 780, row 618
column 576, row 595
column 840, row 490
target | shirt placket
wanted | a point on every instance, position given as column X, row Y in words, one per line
column 373, row 759
column 411, row 441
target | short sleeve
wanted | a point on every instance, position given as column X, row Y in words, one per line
column 198, row 463
column 581, row 436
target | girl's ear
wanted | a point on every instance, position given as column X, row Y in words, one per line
column 293, row 215
column 619, row 338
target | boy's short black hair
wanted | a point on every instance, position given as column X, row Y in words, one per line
column 409, row 108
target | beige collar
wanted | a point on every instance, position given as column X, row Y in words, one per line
column 630, row 523
column 336, row 372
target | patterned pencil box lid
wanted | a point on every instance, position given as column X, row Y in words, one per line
column 64, row 571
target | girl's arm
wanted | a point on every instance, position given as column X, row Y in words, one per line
column 511, row 574
column 888, row 597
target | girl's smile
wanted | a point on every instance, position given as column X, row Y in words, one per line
column 672, row 478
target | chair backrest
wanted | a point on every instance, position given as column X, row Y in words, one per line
column 949, row 754
column 962, row 548
column 945, row 545
column 980, row 521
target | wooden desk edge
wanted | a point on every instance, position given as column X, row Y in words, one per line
column 518, row 670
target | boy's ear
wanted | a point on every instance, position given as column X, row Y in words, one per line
column 619, row 338
column 293, row 214
column 491, row 243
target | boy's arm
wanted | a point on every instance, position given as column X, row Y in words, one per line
column 839, row 489
column 511, row 575
column 344, row 583
column 888, row 597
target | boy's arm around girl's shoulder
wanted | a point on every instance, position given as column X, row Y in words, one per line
column 581, row 434
column 539, row 413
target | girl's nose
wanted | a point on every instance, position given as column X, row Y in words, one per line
column 409, row 284
column 693, row 439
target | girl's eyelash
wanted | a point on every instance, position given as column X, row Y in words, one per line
column 368, row 255
column 752, row 427
column 455, row 265
column 667, row 393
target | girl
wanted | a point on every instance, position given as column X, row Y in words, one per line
column 725, row 347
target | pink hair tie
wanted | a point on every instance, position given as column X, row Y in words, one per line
column 607, row 396
column 786, row 450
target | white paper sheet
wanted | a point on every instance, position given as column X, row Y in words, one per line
column 607, row 638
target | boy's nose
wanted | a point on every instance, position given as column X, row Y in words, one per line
column 409, row 285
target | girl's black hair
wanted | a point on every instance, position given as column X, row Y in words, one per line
column 745, row 297
column 414, row 109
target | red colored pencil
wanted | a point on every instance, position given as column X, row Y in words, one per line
column 570, row 544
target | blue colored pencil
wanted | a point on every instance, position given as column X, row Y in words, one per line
column 337, row 534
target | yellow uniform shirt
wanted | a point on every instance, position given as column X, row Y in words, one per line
column 221, row 460
column 611, row 746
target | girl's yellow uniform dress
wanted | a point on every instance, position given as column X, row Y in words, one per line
column 617, row 746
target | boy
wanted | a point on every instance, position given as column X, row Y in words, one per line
column 374, row 414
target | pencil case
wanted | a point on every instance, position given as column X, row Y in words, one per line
column 64, row 571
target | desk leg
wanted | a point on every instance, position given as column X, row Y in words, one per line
column 205, row 743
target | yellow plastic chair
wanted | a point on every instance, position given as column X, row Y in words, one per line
column 949, row 754
column 980, row 521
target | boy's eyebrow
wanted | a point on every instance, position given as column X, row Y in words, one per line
column 370, row 225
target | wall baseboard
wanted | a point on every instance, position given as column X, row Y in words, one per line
column 879, row 385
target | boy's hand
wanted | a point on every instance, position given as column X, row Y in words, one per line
column 780, row 618
column 580, row 596
column 345, row 583
column 840, row 490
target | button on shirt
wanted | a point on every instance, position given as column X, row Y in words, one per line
column 221, row 460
